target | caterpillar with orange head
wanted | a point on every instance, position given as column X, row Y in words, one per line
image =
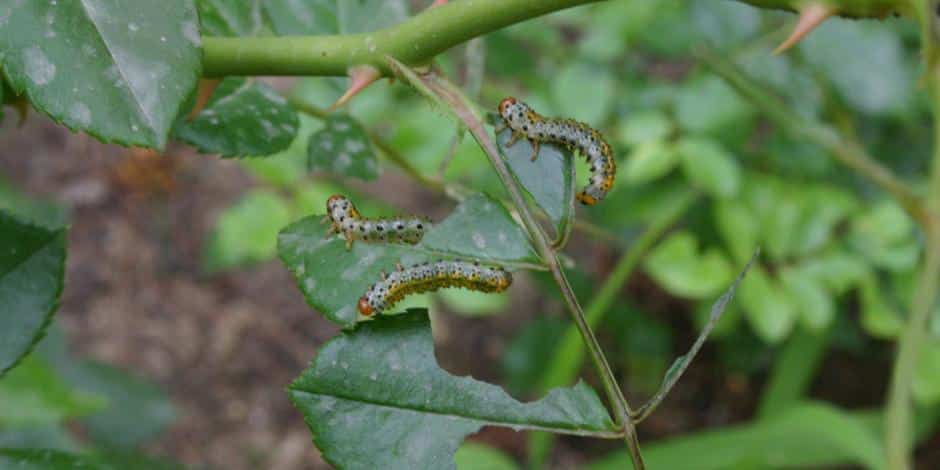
column 345, row 219
column 430, row 277
column 524, row 122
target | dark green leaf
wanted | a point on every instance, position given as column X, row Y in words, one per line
column 319, row 17
column 117, row 70
column 32, row 395
column 342, row 148
column 549, row 179
column 247, row 232
column 230, row 17
column 332, row 278
column 32, row 268
column 242, row 118
column 382, row 381
column 46, row 459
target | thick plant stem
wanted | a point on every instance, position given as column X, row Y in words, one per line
column 898, row 425
column 423, row 36
column 413, row 42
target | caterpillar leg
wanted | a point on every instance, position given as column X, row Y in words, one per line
column 349, row 242
column 513, row 139
column 535, row 149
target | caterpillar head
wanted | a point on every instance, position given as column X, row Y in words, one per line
column 333, row 201
column 365, row 308
column 506, row 107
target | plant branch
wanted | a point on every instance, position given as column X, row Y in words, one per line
column 898, row 423
column 413, row 42
column 442, row 91
column 420, row 38
column 842, row 148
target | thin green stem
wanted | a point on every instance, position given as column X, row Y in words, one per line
column 898, row 425
column 445, row 92
column 569, row 354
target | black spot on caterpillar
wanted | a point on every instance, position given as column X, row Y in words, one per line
column 524, row 122
column 429, row 277
column 345, row 219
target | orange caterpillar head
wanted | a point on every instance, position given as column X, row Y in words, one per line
column 504, row 106
column 332, row 201
column 364, row 308
column 586, row 199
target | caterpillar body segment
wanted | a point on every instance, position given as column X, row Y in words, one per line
column 345, row 219
column 426, row 277
column 524, row 122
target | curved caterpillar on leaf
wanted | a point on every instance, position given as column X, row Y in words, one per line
column 345, row 219
column 429, row 277
column 524, row 122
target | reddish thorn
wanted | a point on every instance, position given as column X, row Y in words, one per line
column 438, row 3
column 359, row 78
column 203, row 92
column 811, row 16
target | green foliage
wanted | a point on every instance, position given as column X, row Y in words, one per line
column 242, row 118
column 120, row 71
column 45, row 459
column 677, row 266
column 33, row 395
column 383, row 376
column 32, row 268
column 806, row 435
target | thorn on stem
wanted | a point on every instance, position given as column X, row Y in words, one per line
column 811, row 16
column 438, row 3
column 359, row 78
column 203, row 93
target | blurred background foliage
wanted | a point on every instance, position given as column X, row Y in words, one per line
column 834, row 280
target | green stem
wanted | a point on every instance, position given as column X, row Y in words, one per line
column 566, row 362
column 414, row 42
column 569, row 354
column 898, row 425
